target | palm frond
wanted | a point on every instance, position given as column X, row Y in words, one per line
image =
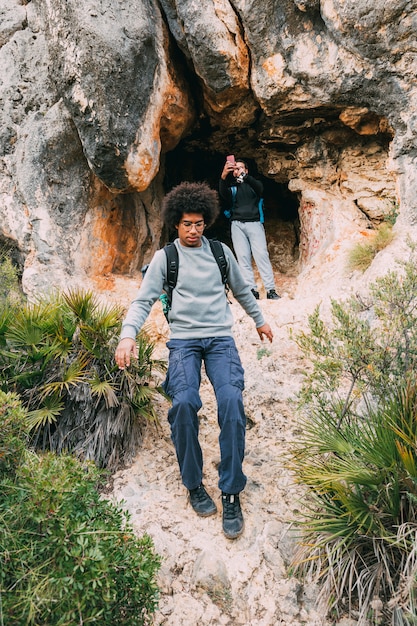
column 47, row 413
column 72, row 375
column 103, row 389
column 82, row 303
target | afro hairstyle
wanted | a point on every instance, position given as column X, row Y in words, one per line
column 190, row 198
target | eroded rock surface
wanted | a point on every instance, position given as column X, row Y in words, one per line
column 105, row 105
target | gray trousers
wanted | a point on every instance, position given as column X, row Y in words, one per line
column 249, row 240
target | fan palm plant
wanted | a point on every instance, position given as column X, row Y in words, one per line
column 360, row 529
column 357, row 452
column 58, row 355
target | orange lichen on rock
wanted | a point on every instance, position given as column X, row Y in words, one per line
column 110, row 239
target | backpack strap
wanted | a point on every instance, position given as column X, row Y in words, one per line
column 233, row 189
column 261, row 210
column 171, row 253
column 218, row 253
column 228, row 212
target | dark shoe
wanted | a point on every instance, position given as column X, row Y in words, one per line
column 201, row 502
column 255, row 293
column 232, row 516
column 272, row 295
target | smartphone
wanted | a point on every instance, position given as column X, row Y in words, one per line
column 231, row 158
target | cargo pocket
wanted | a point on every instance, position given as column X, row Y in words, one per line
column 175, row 380
column 236, row 369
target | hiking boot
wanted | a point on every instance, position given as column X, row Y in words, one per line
column 232, row 515
column 272, row 295
column 201, row 502
column 255, row 293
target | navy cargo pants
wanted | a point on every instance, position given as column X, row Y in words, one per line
column 225, row 372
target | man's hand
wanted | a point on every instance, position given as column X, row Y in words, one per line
column 228, row 168
column 125, row 350
column 266, row 331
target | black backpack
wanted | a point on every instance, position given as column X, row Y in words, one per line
column 171, row 253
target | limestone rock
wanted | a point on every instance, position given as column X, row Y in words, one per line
column 106, row 105
column 210, row 573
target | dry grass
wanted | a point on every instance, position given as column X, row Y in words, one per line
column 362, row 254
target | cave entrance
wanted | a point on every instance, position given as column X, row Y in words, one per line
column 282, row 222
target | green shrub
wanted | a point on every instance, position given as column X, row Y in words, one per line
column 357, row 453
column 391, row 217
column 58, row 355
column 13, row 433
column 67, row 556
column 384, row 236
column 9, row 278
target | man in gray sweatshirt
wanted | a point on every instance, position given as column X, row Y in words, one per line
column 200, row 321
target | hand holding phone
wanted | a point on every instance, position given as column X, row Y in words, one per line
column 229, row 166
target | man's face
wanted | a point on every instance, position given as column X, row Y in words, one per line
column 190, row 229
column 239, row 168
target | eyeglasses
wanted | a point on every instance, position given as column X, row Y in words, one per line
column 189, row 225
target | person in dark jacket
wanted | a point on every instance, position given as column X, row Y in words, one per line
column 242, row 192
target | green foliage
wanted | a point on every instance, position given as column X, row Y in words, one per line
column 362, row 254
column 9, row 279
column 370, row 346
column 68, row 556
column 58, row 355
column 357, row 454
column 261, row 352
column 13, row 433
column 391, row 217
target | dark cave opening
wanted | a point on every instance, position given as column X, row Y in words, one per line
column 281, row 206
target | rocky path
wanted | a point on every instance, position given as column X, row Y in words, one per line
column 205, row 578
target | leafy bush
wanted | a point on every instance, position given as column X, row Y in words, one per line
column 357, row 454
column 13, row 433
column 391, row 217
column 58, row 355
column 362, row 254
column 9, row 279
column 67, row 556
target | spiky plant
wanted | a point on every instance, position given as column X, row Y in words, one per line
column 59, row 356
column 357, row 452
column 361, row 518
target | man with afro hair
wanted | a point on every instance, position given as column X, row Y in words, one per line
column 200, row 321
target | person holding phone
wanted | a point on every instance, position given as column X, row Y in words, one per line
column 242, row 192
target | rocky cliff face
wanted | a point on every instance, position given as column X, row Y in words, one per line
column 106, row 104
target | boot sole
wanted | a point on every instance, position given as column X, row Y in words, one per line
column 209, row 514
column 235, row 535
